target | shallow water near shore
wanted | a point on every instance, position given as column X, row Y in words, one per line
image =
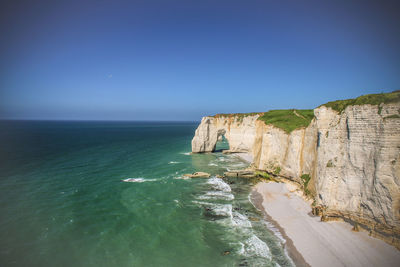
column 113, row 194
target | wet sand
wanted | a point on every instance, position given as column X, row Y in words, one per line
column 245, row 156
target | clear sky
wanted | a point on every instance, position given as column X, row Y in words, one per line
column 181, row 60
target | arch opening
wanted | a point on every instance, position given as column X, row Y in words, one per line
column 222, row 142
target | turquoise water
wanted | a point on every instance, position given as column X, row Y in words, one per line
column 64, row 202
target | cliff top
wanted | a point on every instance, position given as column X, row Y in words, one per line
column 292, row 119
column 372, row 99
column 285, row 119
column 238, row 115
column 288, row 119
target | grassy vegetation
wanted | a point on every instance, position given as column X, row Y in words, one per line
column 373, row 99
column 277, row 170
column 288, row 119
column 292, row 119
column 394, row 116
column 329, row 164
column 263, row 175
column 305, row 178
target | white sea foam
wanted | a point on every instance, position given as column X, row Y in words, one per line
column 270, row 225
column 181, row 177
column 219, row 184
column 276, row 231
column 222, row 194
column 241, row 250
column 222, row 210
column 173, row 162
column 217, row 195
column 217, row 209
column 240, row 220
column 186, row 153
column 256, row 247
column 202, row 203
column 212, row 164
column 238, row 165
column 138, row 180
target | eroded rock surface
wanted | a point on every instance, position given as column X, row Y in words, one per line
column 240, row 133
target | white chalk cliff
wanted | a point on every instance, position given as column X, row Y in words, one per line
column 352, row 157
column 240, row 133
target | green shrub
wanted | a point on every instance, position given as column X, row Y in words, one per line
column 277, row 170
column 329, row 164
column 307, row 192
column 263, row 175
column 305, row 178
column 394, row 116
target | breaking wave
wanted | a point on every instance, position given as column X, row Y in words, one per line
column 219, row 184
column 138, row 180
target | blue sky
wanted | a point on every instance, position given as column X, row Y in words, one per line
column 181, row 60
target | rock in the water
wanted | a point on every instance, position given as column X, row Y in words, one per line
column 226, row 252
column 254, row 219
column 198, row 175
column 240, row 173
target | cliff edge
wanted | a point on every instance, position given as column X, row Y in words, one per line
column 345, row 154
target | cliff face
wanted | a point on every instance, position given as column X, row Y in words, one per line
column 358, row 166
column 352, row 158
column 289, row 155
column 239, row 131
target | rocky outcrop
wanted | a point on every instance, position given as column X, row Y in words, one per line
column 241, row 173
column 239, row 131
column 197, row 175
column 351, row 158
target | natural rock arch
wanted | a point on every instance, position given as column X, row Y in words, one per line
column 220, row 138
column 207, row 135
column 240, row 134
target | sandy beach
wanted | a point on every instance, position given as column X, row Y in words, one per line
column 245, row 156
column 319, row 243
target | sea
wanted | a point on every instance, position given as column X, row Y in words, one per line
column 90, row 193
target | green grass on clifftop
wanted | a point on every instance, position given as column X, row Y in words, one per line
column 373, row 99
column 292, row 119
column 288, row 119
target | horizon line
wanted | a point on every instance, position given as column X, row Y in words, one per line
column 95, row 120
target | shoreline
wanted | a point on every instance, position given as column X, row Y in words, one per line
column 244, row 156
column 292, row 252
column 309, row 241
